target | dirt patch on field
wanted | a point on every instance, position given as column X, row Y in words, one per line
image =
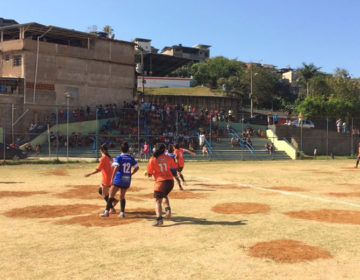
column 241, row 208
column 328, row 215
column 90, row 192
column 321, row 171
column 287, row 251
column 288, row 189
column 81, row 192
column 178, row 195
column 348, row 194
column 226, row 186
column 56, row 172
column 93, row 220
column 348, row 168
column 51, row 211
column 19, row 194
column 355, row 186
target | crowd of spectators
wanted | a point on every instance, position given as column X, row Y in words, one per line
column 167, row 123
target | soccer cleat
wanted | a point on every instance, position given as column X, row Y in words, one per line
column 105, row 214
column 168, row 214
column 157, row 223
column 112, row 211
column 122, row 215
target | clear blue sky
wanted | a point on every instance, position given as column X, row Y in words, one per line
column 278, row 32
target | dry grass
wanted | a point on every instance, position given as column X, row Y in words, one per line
column 39, row 240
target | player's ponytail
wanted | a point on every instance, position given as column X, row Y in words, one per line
column 125, row 147
column 104, row 150
column 159, row 149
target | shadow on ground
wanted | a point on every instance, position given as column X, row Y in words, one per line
column 182, row 220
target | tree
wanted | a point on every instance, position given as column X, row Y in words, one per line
column 306, row 73
column 109, row 31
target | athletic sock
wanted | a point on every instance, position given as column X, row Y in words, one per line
column 182, row 177
column 109, row 203
column 106, row 198
column 122, row 204
column 167, row 209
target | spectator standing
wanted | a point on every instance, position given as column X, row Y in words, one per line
column 146, row 150
column 202, row 139
column 338, row 125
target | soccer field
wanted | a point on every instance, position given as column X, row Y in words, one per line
column 235, row 220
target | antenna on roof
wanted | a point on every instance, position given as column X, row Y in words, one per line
column 92, row 29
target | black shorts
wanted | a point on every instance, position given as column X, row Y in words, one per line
column 180, row 169
column 165, row 187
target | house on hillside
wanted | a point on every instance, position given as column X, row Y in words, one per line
column 197, row 53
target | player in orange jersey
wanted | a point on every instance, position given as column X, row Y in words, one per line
column 180, row 159
column 162, row 167
column 106, row 170
column 358, row 157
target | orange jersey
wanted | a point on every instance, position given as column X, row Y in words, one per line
column 179, row 155
column 106, row 170
column 359, row 152
column 160, row 167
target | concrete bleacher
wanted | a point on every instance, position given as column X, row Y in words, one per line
column 225, row 151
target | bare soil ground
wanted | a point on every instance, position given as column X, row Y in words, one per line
column 235, row 220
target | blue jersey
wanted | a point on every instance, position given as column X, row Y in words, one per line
column 124, row 162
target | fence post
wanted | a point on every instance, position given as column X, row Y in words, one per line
column 352, row 139
column 96, row 133
column 57, row 132
column 48, row 138
column 327, row 137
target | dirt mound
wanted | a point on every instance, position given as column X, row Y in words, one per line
column 19, row 194
column 91, row 192
column 56, row 172
column 177, row 195
column 348, row 194
column 93, row 220
column 52, row 211
column 328, row 215
column 288, row 189
column 241, row 208
column 287, row 251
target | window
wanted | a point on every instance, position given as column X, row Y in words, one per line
column 7, row 57
column 17, row 60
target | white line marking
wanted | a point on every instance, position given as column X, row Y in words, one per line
column 286, row 193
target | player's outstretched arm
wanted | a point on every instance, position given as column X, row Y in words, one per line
column 190, row 152
column 92, row 173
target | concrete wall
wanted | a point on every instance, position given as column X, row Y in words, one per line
column 339, row 144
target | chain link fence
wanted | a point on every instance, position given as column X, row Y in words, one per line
column 71, row 131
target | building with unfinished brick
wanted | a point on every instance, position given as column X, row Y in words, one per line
column 40, row 65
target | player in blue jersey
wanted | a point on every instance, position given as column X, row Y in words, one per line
column 170, row 152
column 124, row 167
